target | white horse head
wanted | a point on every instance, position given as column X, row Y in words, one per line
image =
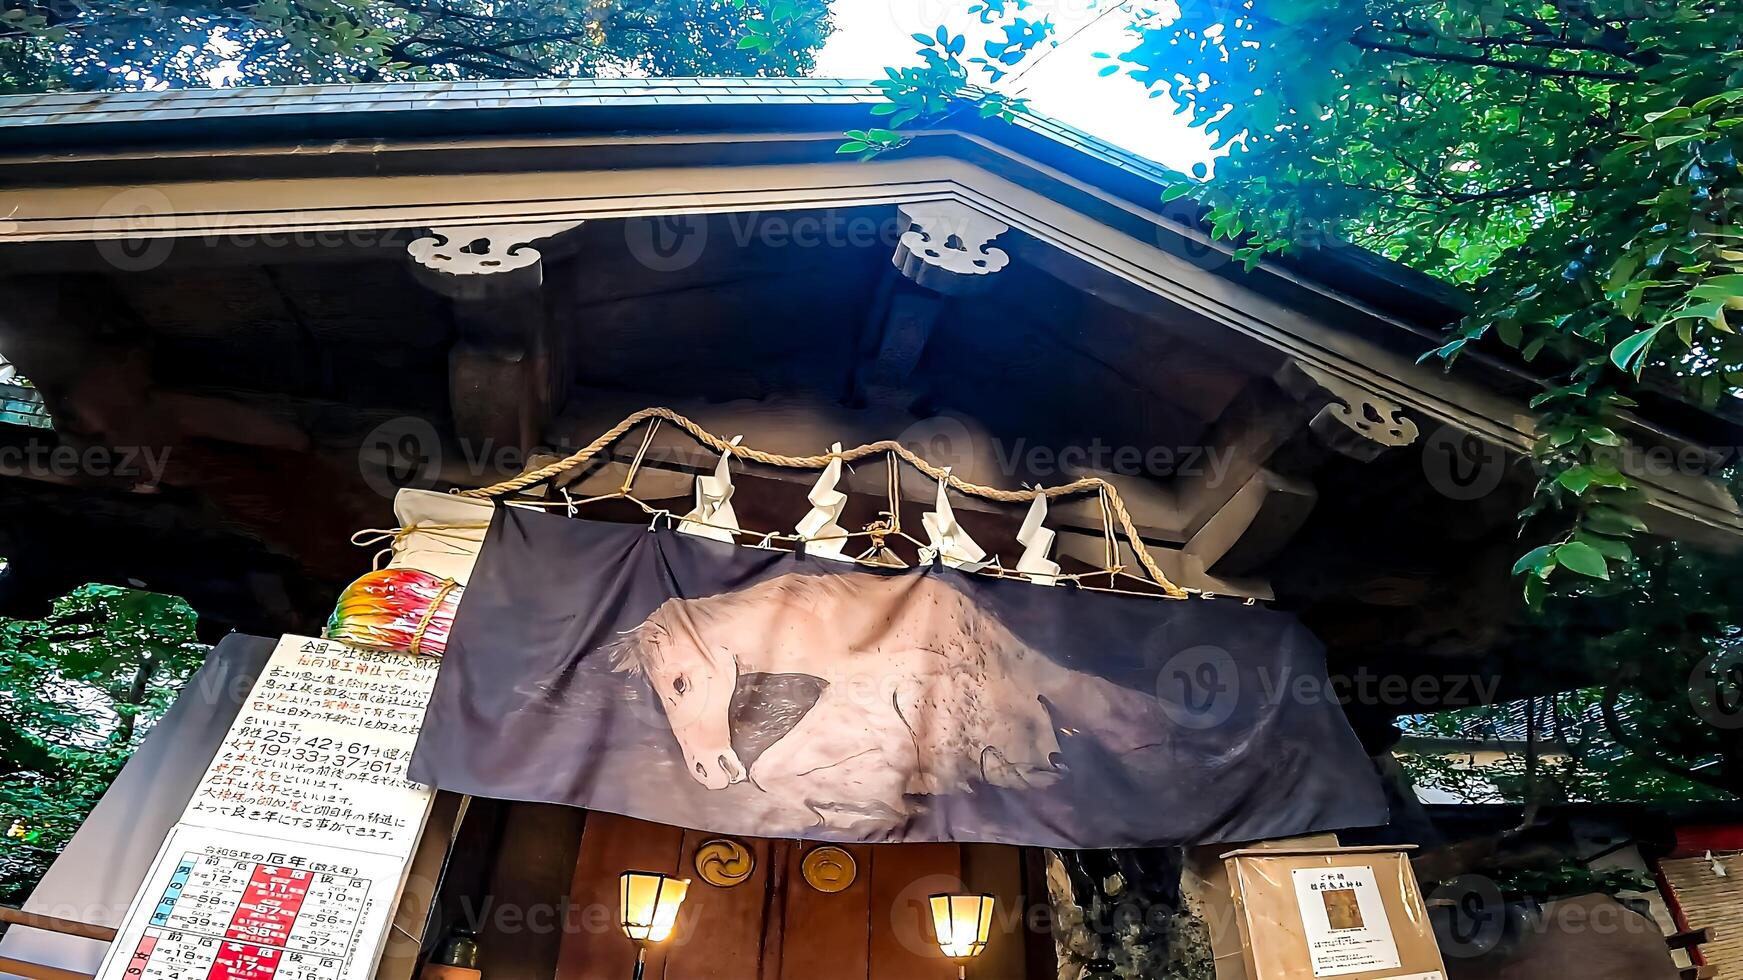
column 694, row 683
column 924, row 692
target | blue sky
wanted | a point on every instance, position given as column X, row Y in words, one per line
column 871, row 35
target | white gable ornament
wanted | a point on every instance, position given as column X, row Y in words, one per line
column 821, row 526
column 1037, row 542
column 948, row 247
column 946, row 539
column 713, row 516
column 1352, row 420
column 464, row 261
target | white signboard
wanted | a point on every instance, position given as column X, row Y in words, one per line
column 320, row 750
column 289, row 859
column 227, row 906
column 1345, row 922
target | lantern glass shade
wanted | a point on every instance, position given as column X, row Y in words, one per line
column 649, row 904
column 963, row 924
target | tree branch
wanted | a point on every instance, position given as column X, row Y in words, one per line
column 1522, row 67
column 1559, row 44
column 136, row 692
column 1533, row 793
column 1471, row 197
column 441, row 52
column 1618, row 731
column 76, row 637
column 442, row 11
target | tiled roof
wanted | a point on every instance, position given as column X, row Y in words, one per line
column 75, row 108
column 1504, row 722
column 422, row 110
column 63, row 117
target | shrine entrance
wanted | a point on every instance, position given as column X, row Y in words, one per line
column 786, row 910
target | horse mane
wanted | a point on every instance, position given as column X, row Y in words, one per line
column 627, row 654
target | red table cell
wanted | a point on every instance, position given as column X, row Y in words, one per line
column 269, row 905
column 240, row 961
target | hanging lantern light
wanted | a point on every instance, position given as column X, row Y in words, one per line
column 963, row 924
column 649, row 905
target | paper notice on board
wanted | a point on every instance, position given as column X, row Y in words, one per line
column 1344, row 919
column 226, row 906
column 291, row 855
column 320, row 750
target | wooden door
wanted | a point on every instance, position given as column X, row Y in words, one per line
column 774, row 925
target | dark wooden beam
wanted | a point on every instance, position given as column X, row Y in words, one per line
column 499, row 370
column 1256, row 425
column 77, row 339
column 242, row 249
column 508, row 371
column 1254, row 525
column 898, row 337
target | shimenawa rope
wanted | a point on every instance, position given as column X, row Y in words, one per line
column 1086, row 485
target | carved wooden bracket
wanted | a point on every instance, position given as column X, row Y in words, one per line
column 948, row 247
column 1353, row 420
column 505, row 373
column 470, row 261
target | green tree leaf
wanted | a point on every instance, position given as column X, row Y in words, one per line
column 81, row 688
column 1630, row 354
column 1577, row 556
column 1536, row 561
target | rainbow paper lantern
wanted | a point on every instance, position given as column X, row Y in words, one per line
column 399, row 609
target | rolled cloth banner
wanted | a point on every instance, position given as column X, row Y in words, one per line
column 439, row 533
column 408, row 606
column 745, row 691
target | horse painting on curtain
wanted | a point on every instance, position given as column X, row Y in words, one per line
column 923, row 692
column 698, row 683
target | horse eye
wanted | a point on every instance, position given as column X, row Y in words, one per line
column 680, row 685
